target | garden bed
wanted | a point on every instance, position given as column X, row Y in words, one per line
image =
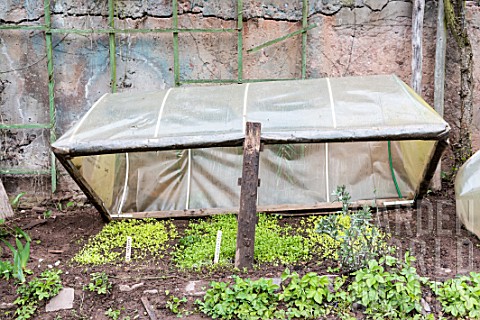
column 430, row 232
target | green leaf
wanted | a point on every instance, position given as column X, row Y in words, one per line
column 370, row 282
column 318, row 297
column 16, row 200
column 25, row 255
column 23, row 234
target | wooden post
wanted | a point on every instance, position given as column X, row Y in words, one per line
column 5, row 207
column 439, row 93
column 148, row 308
column 247, row 215
column 417, row 37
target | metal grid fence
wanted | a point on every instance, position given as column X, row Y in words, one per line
column 112, row 31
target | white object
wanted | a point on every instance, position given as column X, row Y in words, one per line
column 128, row 250
column 467, row 194
column 217, row 247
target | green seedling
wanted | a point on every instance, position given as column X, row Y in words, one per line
column 16, row 201
column 47, row 214
column 99, row 283
column 21, row 254
column 174, row 303
column 112, row 314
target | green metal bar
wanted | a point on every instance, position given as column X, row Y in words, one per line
column 123, row 31
column 176, row 55
column 26, row 126
column 20, row 27
column 269, row 43
column 304, row 38
column 208, row 81
column 51, row 91
column 167, row 30
column 240, row 40
column 113, row 63
column 24, row 171
column 114, row 30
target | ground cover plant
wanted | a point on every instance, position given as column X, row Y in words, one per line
column 244, row 299
column 388, row 288
column 347, row 237
column 460, row 297
column 305, row 297
column 149, row 237
column 273, row 243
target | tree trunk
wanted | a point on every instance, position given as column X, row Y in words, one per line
column 464, row 148
column 457, row 24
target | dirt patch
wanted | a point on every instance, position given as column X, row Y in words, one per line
column 430, row 231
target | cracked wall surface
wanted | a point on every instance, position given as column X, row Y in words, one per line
column 352, row 37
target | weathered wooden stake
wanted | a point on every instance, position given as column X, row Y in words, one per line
column 148, row 308
column 247, row 215
column 5, row 207
column 417, row 38
column 439, row 93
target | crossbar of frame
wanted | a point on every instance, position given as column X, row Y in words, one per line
column 117, row 30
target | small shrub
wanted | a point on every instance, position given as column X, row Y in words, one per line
column 460, row 297
column 359, row 241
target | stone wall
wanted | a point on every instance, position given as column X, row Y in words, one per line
column 352, row 37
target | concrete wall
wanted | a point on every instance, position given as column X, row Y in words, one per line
column 352, row 37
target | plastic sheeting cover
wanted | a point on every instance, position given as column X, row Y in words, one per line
column 140, row 174
column 295, row 174
column 467, row 194
column 351, row 108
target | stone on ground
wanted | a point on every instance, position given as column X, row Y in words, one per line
column 63, row 301
column 196, row 288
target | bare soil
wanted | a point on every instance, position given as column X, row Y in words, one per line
column 430, row 231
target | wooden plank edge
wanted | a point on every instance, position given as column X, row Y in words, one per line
column 148, row 308
column 284, row 210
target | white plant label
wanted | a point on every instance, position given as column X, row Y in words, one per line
column 217, row 247
column 128, row 249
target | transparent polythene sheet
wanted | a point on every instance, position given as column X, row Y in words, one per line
column 467, row 194
column 291, row 174
column 315, row 109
